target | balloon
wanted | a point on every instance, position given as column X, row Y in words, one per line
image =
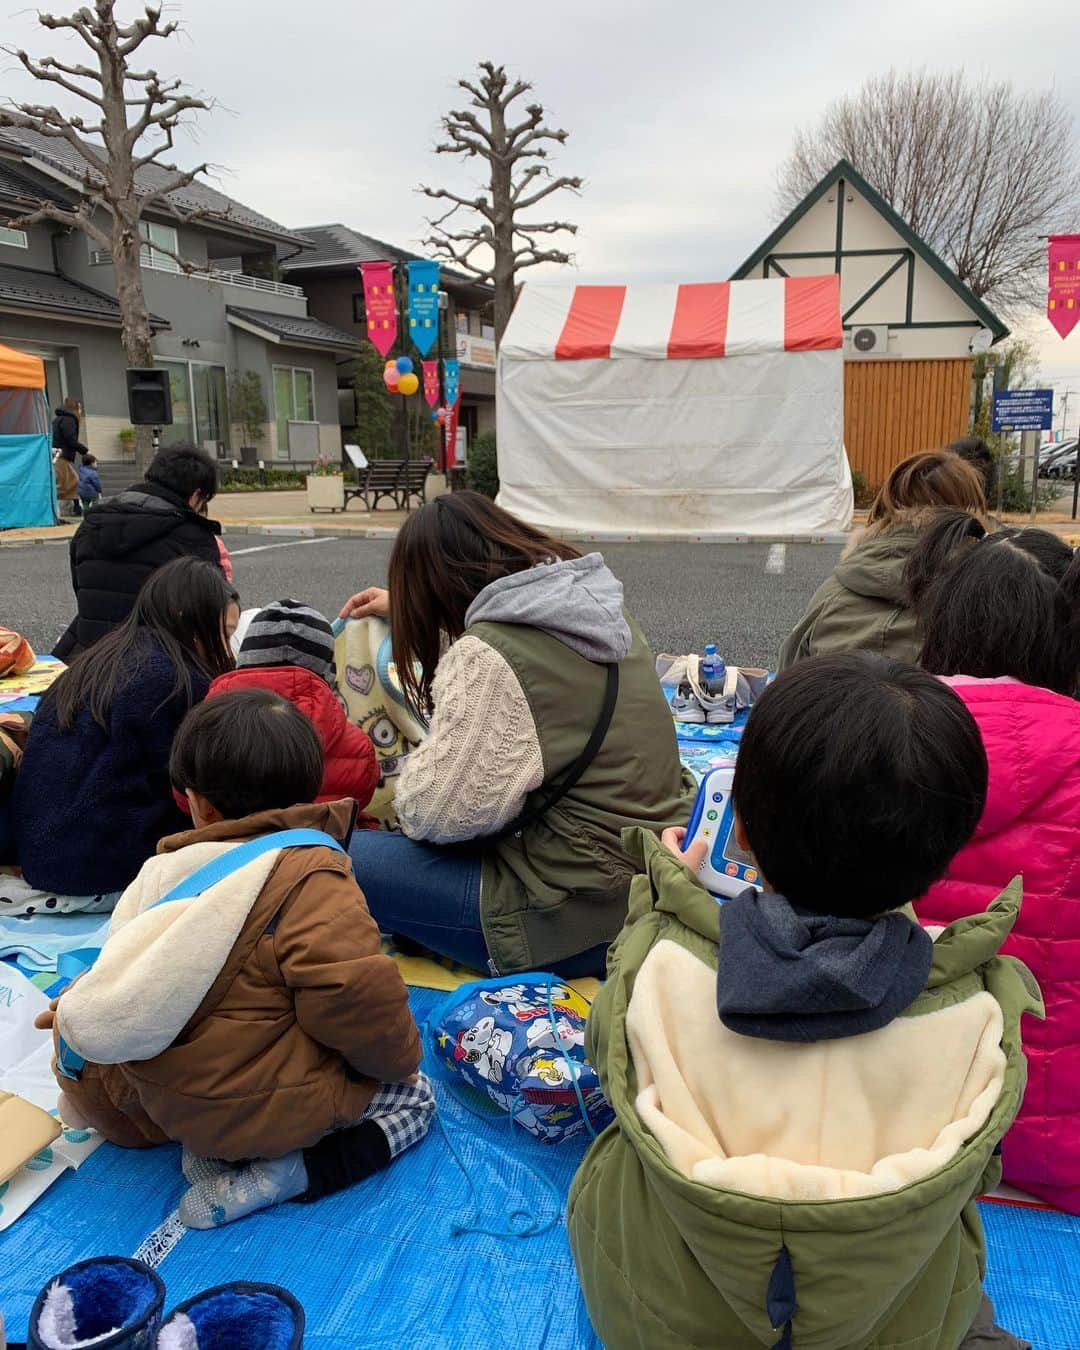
column 435, row 417
column 408, row 384
column 391, row 378
column 404, row 365
column 440, row 416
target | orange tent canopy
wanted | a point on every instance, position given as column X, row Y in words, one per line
column 19, row 371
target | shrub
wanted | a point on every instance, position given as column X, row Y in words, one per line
column 259, row 480
column 864, row 493
column 483, row 468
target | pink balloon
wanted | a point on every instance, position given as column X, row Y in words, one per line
column 441, row 415
column 391, row 377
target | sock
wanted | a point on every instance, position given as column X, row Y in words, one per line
column 343, row 1158
column 196, row 1169
column 239, row 1191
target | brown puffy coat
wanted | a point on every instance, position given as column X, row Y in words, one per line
column 300, row 1026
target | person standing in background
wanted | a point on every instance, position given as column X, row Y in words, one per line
column 65, row 439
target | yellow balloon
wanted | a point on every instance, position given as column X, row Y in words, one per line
column 408, row 384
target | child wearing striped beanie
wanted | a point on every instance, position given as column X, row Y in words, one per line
column 289, row 647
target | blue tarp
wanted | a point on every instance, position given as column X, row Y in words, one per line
column 27, row 483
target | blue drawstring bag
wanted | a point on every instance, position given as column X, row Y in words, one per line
column 520, row 1041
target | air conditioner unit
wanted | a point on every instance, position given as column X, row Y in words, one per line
column 100, row 257
column 869, row 340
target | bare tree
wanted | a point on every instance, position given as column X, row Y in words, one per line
column 130, row 127
column 978, row 170
column 518, row 178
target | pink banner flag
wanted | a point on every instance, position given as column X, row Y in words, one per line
column 431, row 382
column 380, row 304
column 1063, row 297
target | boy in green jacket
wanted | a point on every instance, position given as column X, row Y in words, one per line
column 809, row 1091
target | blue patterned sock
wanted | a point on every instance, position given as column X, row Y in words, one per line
column 240, row 1191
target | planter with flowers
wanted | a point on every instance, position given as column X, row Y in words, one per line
column 326, row 485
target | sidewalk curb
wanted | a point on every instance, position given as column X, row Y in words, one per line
column 575, row 536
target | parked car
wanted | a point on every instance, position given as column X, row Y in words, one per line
column 1060, row 462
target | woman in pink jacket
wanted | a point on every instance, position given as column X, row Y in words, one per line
column 1001, row 624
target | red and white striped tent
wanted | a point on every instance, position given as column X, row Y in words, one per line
column 676, row 410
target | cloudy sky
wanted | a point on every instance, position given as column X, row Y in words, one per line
column 679, row 114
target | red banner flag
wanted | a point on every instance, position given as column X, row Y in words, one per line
column 431, row 382
column 380, row 304
column 1063, row 298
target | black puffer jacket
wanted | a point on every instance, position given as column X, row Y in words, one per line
column 65, row 435
column 116, row 548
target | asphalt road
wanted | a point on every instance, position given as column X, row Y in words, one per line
column 684, row 595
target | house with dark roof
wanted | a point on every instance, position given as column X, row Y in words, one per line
column 220, row 310
column 911, row 326
column 329, row 272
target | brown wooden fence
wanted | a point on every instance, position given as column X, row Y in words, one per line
column 892, row 408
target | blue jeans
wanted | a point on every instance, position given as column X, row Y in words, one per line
column 432, row 895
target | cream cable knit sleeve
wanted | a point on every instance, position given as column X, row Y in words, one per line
column 482, row 757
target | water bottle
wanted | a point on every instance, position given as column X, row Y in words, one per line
column 713, row 671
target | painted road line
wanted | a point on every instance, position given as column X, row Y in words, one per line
column 290, row 543
column 776, row 562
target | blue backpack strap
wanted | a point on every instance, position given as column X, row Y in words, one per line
column 239, row 856
column 68, row 1062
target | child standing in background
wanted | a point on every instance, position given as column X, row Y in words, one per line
column 249, row 1014
column 289, row 648
column 89, row 482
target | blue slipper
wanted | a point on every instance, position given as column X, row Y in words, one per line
column 241, row 1316
column 108, row 1303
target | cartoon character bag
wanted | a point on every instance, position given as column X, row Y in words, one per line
column 368, row 686
column 521, row 1042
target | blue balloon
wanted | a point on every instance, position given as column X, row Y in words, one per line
column 434, row 416
column 404, row 365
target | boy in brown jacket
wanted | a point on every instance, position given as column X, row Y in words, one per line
column 241, row 1004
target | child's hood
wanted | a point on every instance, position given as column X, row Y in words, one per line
column 579, row 601
column 308, row 691
column 875, row 565
column 1032, row 741
column 160, row 961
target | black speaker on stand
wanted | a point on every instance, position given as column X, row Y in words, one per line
column 149, row 400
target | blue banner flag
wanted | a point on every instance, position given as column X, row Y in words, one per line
column 451, row 382
column 423, row 304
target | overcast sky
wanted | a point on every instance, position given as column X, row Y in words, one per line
column 679, row 114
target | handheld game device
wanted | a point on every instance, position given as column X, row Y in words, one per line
column 727, row 870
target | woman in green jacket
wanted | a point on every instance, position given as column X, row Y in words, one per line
column 864, row 605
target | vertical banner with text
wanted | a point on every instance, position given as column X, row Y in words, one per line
column 1063, row 291
column 431, row 382
column 452, row 400
column 423, row 304
column 380, row 304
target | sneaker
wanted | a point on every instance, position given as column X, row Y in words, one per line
column 685, row 706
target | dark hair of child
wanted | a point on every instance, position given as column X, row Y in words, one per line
column 248, row 752
column 990, row 605
column 90, row 460
column 182, row 606
column 185, row 470
column 858, row 780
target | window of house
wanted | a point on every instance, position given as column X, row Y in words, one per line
column 164, row 237
column 294, row 400
column 13, row 238
column 199, row 405
column 461, row 321
column 358, row 314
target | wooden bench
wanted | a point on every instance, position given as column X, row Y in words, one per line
column 398, row 479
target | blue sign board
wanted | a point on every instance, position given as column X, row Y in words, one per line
column 1023, row 410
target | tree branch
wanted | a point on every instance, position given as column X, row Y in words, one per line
column 548, row 227
column 556, row 185
column 49, row 122
column 480, row 204
column 533, row 258
column 76, row 218
column 49, row 71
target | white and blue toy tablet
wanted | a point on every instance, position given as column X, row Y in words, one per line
column 727, row 870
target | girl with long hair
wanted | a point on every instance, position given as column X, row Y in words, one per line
column 549, row 736
column 92, row 797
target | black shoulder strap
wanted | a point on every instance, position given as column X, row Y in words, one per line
column 557, row 791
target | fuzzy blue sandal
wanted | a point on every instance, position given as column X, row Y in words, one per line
column 241, row 1316
column 108, row 1303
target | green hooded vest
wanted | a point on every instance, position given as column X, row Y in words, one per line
column 561, row 886
column 668, row 1262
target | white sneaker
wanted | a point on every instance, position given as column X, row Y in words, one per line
column 685, row 706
